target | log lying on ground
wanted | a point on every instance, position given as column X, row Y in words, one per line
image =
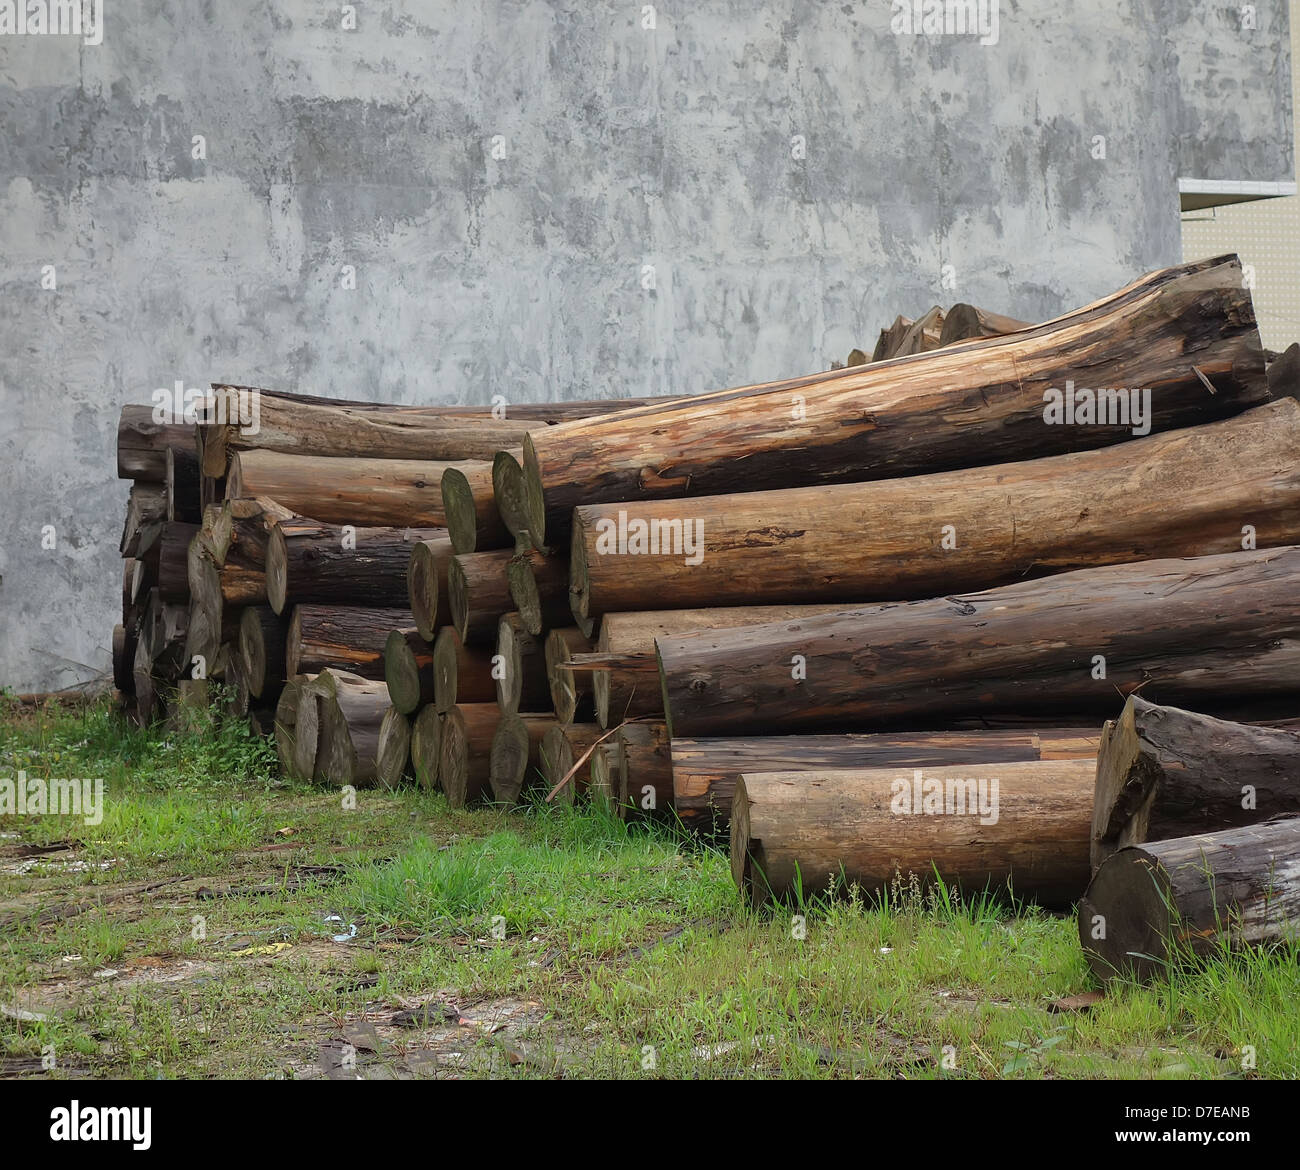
column 516, row 751
column 338, row 490
column 565, row 760
column 393, row 754
column 296, row 427
column 635, row 633
column 571, row 694
column 262, row 651
column 473, row 521
column 203, row 639
column 645, row 771
column 408, row 670
column 603, row 783
column 426, row 583
column 146, row 512
column 286, row 727
column 1181, row 493
column 307, row 741
column 1153, row 905
column 142, row 444
column 325, row 564
column 461, row 674
column 705, row 771
column 351, row 712
column 965, row 322
column 478, row 593
column 539, row 590
column 465, row 752
column 1164, row 772
column 970, row 404
column 1196, row 632
column 1022, row 826
column 425, row 747
column 339, row 637
column 521, row 681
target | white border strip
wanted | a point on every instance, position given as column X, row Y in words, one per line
column 1234, row 187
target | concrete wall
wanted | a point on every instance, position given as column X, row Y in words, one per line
column 502, row 175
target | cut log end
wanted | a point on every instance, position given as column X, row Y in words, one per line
column 508, row 765
column 580, row 580
column 458, row 598
column 402, row 672
column 511, row 500
column 277, row 575
column 534, row 497
column 462, row 515
column 425, row 575
column 1126, row 919
column 426, row 746
column 391, row 763
column 453, row 759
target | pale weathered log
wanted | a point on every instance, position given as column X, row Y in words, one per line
column 571, row 693
column 971, row 404
column 516, row 754
column 286, row 726
column 1192, row 492
column 146, row 513
column 965, row 322
column 351, row 712
column 426, row 583
column 473, row 521
column 461, row 674
column 465, row 753
column 520, row 668
column 539, row 590
column 393, row 755
column 565, row 759
column 1199, row 632
column 408, row 670
column 243, row 525
column 1164, row 772
column 1155, row 906
column 1021, row 827
column 426, row 746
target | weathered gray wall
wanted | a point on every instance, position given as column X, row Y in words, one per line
column 523, row 275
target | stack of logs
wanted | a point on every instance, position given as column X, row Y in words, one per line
column 867, row 622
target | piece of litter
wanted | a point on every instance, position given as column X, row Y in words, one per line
column 886, row 950
column 106, row 973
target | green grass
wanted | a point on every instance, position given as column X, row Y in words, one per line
column 610, row 949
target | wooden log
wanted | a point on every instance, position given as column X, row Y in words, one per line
column 1018, row 826
column 243, row 525
column 146, row 513
column 1155, row 906
column 508, row 493
column 124, row 640
column 465, row 753
column 1190, row 492
column 1195, row 632
column 426, row 582
column 426, row 747
column 922, row 335
column 603, row 783
column 341, row 637
column 520, row 669
column 262, row 651
column 393, row 755
column 408, row 670
column 327, row 564
column 516, row 754
column 478, row 593
column 190, row 713
column 571, row 694
column 461, row 674
column 238, row 700
column 182, row 480
column 351, row 711
column 173, row 560
column 565, row 760
column 539, row 590
column 965, row 322
column 634, row 678
column 307, row 741
column 147, row 703
column 645, row 771
column 472, row 520
column 286, row 723
column 705, row 771
column 203, row 639
column 142, row 444
column 971, row 404
column 890, row 339
column 635, row 633
column 1164, row 772
column 337, row 490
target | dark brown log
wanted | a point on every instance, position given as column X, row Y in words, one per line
column 351, row 711
column 1284, row 373
column 465, row 754
column 1017, row 826
column 971, row 404
column 336, row 490
column 426, row 583
column 146, row 513
column 326, row 564
column 633, row 678
column 1190, row 492
column 516, row 754
column 203, row 640
column 242, row 525
column 1195, row 632
column 393, row 755
column 472, row 520
column 565, row 759
column 890, row 339
column 182, row 480
column 173, row 560
column 539, row 590
column 1155, row 906
column 478, row 593
column 645, row 771
column 922, row 335
column 520, row 668
column 461, row 674
column 338, row 637
column 124, row 639
column 571, row 694
column 408, row 670
column 966, row 322
column 705, row 771
column 142, row 444
column 262, row 651
column 426, row 747
column 1164, row 772
column 147, row 704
